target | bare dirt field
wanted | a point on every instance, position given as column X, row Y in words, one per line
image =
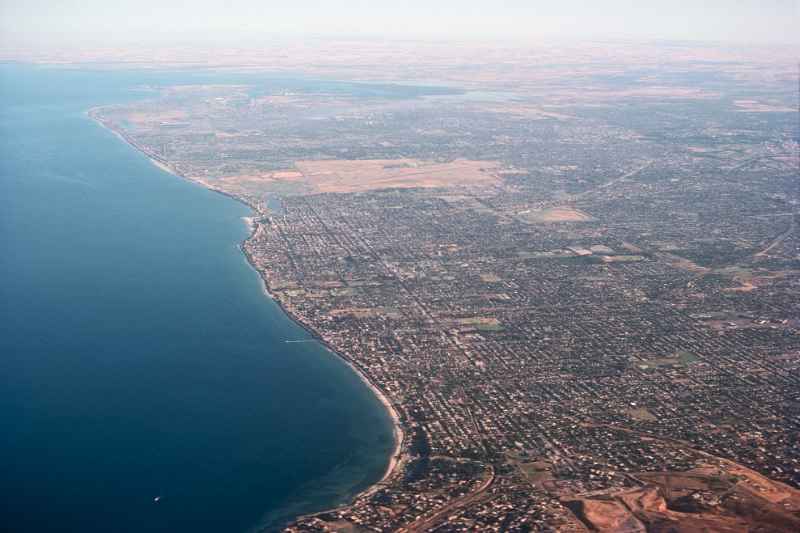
column 370, row 174
column 754, row 106
column 556, row 214
column 347, row 176
column 728, row 499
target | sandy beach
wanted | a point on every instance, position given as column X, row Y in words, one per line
column 397, row 429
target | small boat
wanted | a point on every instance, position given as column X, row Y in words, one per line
column 156, row 499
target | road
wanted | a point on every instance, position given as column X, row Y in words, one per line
column 424, row 523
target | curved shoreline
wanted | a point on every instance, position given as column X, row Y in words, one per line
column 398, row 434
column 398, row 456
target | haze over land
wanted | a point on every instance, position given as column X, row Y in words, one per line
column 569, row 268
column 48, row 23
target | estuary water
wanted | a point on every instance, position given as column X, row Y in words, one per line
column 139, row 357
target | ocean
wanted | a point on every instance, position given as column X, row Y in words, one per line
column 140, row 359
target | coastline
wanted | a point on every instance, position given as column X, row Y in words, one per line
column 398, row 455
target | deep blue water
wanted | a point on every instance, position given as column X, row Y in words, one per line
column 138, row 355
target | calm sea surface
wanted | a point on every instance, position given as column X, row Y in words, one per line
column 138, row 356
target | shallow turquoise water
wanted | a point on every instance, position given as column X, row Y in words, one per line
column 138, row 355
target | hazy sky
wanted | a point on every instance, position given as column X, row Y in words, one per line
column 161, row 21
